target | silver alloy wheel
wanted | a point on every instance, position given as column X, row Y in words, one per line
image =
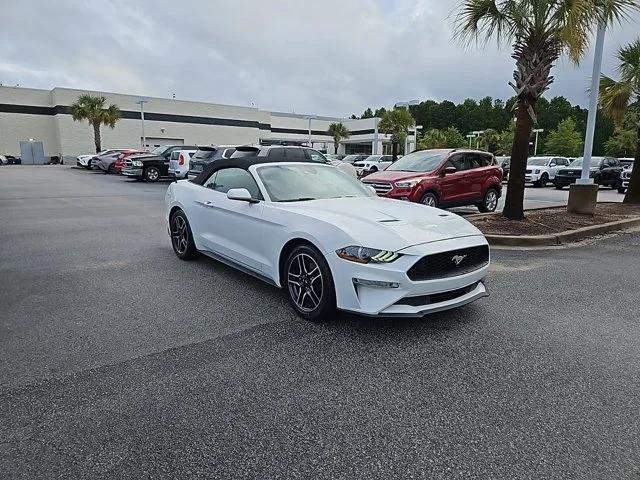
column 153, row 174
column 491, row 201
column 429, row 201
column 179, row 235
column 305, row 282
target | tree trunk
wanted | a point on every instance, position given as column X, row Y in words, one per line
column 633, row 192
column 394, row 151
column 96, row 137
column 336, row 143
column 514, row 203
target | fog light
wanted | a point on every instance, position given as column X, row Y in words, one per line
column 375, row 283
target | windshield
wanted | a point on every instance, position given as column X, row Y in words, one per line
column 423, row 161
column 159, row 150
column 350, row 158
column 291, row 183
column 595, row 162
column 538, row 161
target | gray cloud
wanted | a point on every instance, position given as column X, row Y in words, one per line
column 330, row 57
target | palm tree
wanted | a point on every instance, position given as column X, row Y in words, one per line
column 338, row 131
column 88, row 107
column 540, row 31
column 616, row 96
column 396, row 123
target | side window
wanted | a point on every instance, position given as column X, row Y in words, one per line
column 474, row 160
column 295, row 154
column 458, row 162
column 312, row 155
column 209, row 182
column 228, row 178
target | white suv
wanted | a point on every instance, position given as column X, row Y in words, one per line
column 372, row 164
column 179, row 163
column 542, row 170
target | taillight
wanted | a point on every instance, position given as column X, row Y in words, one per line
column 181, row 159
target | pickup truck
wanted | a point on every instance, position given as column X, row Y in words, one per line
column 152, row 166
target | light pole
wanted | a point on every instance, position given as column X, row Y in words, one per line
column 477, row 133
column 583, row 195
column 141, row 102
column 536, row 131
column 470, row 137
column 309, row 118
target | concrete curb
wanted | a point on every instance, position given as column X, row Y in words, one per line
column 561, row 238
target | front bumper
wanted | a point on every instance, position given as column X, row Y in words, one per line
column 566, row 179
column 408, row 298
column 531, row 177
column 178, row 173
column 132, row 172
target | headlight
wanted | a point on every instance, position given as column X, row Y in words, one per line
column 410, row 183
column 367, row 255
column 536, row 171
column 136, row 163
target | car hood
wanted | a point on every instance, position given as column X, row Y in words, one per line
column 393, row 176
column 385, row 223
column 142, row 156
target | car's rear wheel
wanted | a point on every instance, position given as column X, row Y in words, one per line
column 430, row 200
column 151, row 174
column 309, row 284
column 181, row 237
column 489, row 202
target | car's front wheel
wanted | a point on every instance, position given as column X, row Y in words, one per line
column 544, row 179
column 181, row 236
column 309, row 284
column 151, row 174
column 430, row 200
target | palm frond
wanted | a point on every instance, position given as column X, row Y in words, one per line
column 483, row 18
column 614, row 98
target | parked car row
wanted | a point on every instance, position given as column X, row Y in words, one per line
column 9, row 160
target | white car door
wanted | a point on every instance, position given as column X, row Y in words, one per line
column 553, row 168
column 232, row 228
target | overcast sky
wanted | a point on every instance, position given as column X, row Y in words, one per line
column 329, row 57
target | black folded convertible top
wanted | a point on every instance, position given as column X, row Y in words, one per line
column 242, row 162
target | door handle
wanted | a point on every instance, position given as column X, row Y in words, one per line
column 205, row 204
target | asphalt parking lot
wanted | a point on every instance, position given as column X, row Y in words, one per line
column 117, row 360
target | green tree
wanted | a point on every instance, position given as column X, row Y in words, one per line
column 565, row 140
column 367, row 113
column 624, row 140
column 540, row 32
column 491, row 140
column 338, row 131
column 94, row 110
column 396, row 123
column 434, row 138
column 616, row 96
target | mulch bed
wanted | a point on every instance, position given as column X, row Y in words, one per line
column 554, row 220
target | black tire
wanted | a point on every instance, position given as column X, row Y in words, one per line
column 489, row 202
column 373, row 169
column 181, row 236
column 559, row 186
column 429, row 199
column 110, row 169
column 313, row 297
column 151, row 174
column 88, row 164
column 544, row 179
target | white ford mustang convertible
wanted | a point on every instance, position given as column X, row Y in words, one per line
column 327, row 239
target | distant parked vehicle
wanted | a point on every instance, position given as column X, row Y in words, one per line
column 542, row 170
column 85, row 160
column 604, row 171
column 354, row 158
column 442, row 178
column 152, row 166
column 119, row 164
column 625, row 176
column 505, row 165
column 372, row 164
column 9, row 160
column 207, row 154
column 107, row 163
column 334, row 157
column 626, row 162
column 179, row 163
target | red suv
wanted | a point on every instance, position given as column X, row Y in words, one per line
column 119, row 164
column 442, row 178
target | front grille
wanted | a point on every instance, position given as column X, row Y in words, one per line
column 443, row 265
column 437, row 297
column 626, row 174
column 380, row 187
column 528, row 170
column 570, row 173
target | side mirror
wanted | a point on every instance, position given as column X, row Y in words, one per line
column 552, row 164
column 450, row 170
column 241, row 194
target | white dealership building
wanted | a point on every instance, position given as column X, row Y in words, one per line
column 36, row 124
